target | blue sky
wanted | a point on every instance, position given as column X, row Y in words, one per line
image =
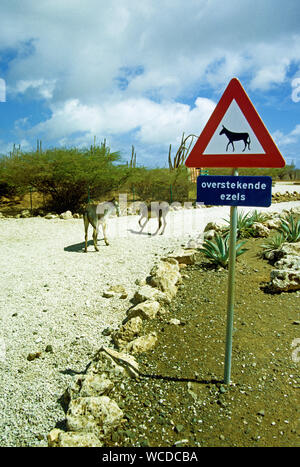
column 142, row 72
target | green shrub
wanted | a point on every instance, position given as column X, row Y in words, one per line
column 273, row 243
column 7, row 191
column 244, row 225
column 290, row 229
column 217, row 250
column 149, row 185
column 258, row 217
column 66, row 176
column 160, row 184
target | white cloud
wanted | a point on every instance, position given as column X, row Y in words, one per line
column 169, row 120
column 272, row 64
column 69, row 117
column 269, row 75
column 83, row 48
column 283, row 139
column 295, row 89
column 296, row 131
column 82, row 59
column 43, row 87
column 156, row 123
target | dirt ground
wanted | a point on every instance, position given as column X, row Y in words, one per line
column 181, row 399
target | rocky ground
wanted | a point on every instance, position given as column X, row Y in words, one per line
column 174, row 393
column 58, row 306
column 181, row 398
column 53, row 310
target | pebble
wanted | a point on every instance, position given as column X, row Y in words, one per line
column 108, row 294
column 175, row 321
column 64, row 330
column 181, row 441
column 33, row 356
column 179, row 428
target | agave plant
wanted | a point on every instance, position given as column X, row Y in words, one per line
column 274, row 243
column 244, row 225
column 290, row 229
column 217, row 250
column 258, row 216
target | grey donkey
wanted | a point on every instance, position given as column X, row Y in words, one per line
column 96, row 214
column 151, row 210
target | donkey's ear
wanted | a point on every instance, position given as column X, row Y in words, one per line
column 223, row 126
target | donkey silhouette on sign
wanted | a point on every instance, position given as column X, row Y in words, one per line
column 232, row 136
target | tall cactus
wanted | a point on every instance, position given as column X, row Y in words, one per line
column 93, row 146
column 182, row 152
column 16, row 150
column 39, row 146
column 133, row 158
column 102, row 146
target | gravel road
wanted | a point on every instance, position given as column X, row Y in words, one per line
column 51, row 298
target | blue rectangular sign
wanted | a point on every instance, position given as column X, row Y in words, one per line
column 234, row 190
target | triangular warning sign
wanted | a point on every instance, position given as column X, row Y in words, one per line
column 235, row 135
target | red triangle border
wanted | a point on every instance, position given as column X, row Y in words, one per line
column 272, row 156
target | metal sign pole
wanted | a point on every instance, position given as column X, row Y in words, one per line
column 230, row 294
column 236, row 111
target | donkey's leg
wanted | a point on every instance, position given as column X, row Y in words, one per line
column 142, row 226
column 159, row 222
column 144, row 213
column 147, row 217
column 246, row 142
column 104, row 234
column 165, row 223
column 86, row 226
column 95, row 236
